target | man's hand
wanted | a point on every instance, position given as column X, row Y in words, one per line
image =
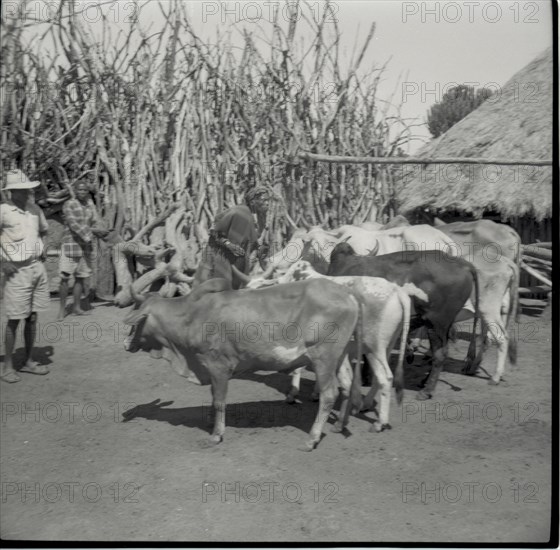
column 263, row 250
column 101, row 233
column 88, row 247
column 9, row 268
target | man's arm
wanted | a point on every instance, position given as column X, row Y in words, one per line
column 74, row 219
column 43, row 224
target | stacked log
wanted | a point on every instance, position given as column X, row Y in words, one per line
column 536, row 259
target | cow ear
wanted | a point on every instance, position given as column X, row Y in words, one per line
column 135, row 317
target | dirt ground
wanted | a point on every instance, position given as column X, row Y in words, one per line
column 471, row 465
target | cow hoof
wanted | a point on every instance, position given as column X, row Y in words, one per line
column 337, row 428
column 377, row 427
column 493, row 382
column 308, row 447
column 290, row 399
column 470, row 368
column 210, row 442
column 423, row 395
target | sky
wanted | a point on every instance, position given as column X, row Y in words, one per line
column 429, row 46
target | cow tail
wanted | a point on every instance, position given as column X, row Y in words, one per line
column 356, row 390
column 518, row 259
column 471, row 354
column 399, row 372
column 512, row 313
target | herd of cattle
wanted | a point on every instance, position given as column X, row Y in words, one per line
column 329, row 296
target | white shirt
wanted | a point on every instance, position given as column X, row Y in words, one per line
column 20, row 233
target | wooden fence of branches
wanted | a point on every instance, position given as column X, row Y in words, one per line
column 162, row 122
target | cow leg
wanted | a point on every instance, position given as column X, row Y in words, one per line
column 500, row 336
column 219, row 392
column 327, row 398
column 471, row 367
column 368, row 400
column 344, row 376
column 384, row 377
column 294, row 388
column 295, row 385
column 438, row 344
column 316, row 392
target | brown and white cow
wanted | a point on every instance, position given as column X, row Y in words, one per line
column 219, row 333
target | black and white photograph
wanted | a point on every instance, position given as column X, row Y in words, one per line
column 279, row 272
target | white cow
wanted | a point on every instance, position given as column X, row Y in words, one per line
column 498, row 284
column 386, row 314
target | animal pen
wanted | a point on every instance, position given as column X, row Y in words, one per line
column 167, row 131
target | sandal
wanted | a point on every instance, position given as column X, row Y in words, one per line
column 35, row 368
column 10, row 377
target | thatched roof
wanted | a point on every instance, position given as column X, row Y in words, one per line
column 514, row 125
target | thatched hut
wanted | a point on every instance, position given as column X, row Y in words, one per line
column 515, row 123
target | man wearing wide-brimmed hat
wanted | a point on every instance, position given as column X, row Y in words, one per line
column 26, row 290
column 234, row 237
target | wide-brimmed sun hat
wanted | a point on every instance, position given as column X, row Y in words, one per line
column 16, row 179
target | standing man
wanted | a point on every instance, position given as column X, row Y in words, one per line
column 234, row 237
column 77, row 248
column 26, row 289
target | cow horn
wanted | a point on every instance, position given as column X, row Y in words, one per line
column 240, row 275
column 138, row 298
column 304, row 223
column 268, row 271
column 375, row 249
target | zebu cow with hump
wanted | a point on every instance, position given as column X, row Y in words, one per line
column 377, row 243
column 494, row 249
column 496, row 239
column 220, row 332
column 386, row 312
column 498, row 281
column 447, row 282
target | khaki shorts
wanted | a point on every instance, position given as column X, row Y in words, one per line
column 26, row 291
column 79, row 267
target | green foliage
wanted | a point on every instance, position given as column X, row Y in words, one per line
column 455, row 105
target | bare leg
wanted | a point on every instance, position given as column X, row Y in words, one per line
column 29, row 333
column 77, row 294
column 8, row 372
column 63, row 293
column 87, row 293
